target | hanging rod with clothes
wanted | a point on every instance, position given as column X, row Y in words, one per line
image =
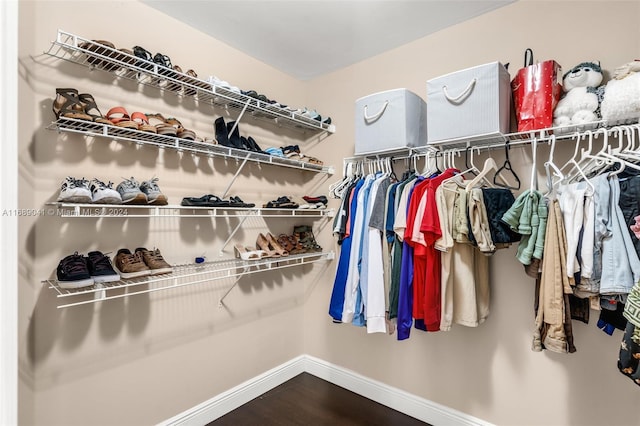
column 490, row 142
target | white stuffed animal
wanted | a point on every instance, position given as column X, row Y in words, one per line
column 581, row 102
column 622, row 100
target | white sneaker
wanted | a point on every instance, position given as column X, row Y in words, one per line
column 215, row 81
column 104, row 193
column 75, row 191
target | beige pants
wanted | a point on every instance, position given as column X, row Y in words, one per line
column 554, row 283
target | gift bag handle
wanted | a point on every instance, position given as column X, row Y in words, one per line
column 464, row 93
column 528, row 57
column 374, row 117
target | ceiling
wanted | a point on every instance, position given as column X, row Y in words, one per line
column 309, row 38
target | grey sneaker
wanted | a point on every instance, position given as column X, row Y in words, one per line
column 75, row 191
column 153, row 193
column 130, row 192
column 103, row 193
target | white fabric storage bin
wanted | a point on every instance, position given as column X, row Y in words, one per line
column 472, row 102
column 390, row 120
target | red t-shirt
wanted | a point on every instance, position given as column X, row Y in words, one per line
column 430, row 228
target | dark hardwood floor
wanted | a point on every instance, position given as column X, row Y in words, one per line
column 310, row 401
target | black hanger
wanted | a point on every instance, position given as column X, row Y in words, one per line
column 506, row 166
column 393, row 172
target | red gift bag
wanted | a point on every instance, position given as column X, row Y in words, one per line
column 536, row 91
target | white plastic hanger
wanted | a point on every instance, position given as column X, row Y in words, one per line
column 533, row 185
column 489, row 164
column 550, row 166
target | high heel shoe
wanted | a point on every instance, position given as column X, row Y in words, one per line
column 263, row 243
column 245, row 253
column 276, row 247
column 67, row 104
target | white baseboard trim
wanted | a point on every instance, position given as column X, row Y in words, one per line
column 397, row 399
column 228, row 401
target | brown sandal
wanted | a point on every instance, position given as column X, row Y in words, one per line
column 102, row 48
column 161, row 124
column 175, row 87
column 276, row 247
column 290, row 243
column 181, row 132
column 143, row 122
column 91, row 108
column 67, row 104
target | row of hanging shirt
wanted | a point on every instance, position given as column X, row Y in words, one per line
column 413, row 251
column 595, row 197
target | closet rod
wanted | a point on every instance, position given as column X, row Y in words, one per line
column 542, row 139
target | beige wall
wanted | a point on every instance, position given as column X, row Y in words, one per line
column 489, row 372
column 143, row 359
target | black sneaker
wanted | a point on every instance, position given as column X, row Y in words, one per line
column 101, row 269
column 73, row 272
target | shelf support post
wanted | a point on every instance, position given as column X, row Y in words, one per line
column 232, row 234
column 235, row 176
column 226, row 293
column 244, row 109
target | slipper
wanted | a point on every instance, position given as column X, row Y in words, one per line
column 208, row 200
column 143, row 122
column 120, row 117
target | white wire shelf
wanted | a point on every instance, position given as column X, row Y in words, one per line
column 67, row 46
column 111, row 132
column 493, row 140
column 124, row 211
column 182, row 275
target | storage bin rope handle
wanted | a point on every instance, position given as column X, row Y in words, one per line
column 461, row 96
column 374, row 117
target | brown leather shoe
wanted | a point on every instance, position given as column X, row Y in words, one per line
column 154, row 260
column 130, row 265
